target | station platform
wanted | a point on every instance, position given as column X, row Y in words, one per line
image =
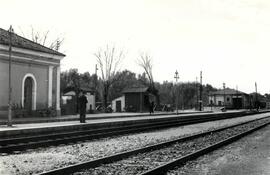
column 89, row 117
column 63, row 123
column 99, row 121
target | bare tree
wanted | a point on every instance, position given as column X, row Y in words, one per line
column 109, row 60
column 42, row 39
column 145, row 61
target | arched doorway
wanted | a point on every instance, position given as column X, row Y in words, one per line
column 28, row 89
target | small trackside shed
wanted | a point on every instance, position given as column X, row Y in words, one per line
column 137, row 99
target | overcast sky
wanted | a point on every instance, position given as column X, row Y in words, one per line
column 228, row 40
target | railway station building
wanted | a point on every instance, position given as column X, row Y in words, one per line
column 234, row 99
column 35, row 75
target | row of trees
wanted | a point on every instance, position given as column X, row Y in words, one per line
column 188, row 91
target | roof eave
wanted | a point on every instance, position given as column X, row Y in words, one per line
column 33, row 52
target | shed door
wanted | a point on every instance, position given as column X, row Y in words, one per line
column 237, row 103
column 118, row 106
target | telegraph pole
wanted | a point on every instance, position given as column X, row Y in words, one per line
column 224, row 85
column 256, row 97
column 197, row 94
column 237, row 101
column 10, row 31
column 96, row 76
column 176, row 76
column 201, row 88
column 95, row 85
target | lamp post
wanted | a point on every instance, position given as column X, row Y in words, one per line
column 256, row 97
column 224, row 96
column 237, row 101
column 201, row 89
column 10, row 31
column 176, row 76
column 197, row 94
column 95, row 86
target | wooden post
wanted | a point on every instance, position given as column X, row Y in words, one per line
column 9, row 79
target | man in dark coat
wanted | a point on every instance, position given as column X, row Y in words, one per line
column 151, row 107
column 82, row 106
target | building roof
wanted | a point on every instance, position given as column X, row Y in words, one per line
column 86, row 89
column 21, row 42
column 227, row 91
column 72, row 89
column 136, row 90
column 70, row 93
column 119, row 98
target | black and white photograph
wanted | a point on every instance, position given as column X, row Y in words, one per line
column 134, row 87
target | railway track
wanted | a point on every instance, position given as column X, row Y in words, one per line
column 161, row 157
column 10, row 145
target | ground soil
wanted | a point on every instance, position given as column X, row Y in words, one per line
column 248, row 156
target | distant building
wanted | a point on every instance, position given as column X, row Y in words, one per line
column 70, row 102
column 35, row 75
column 267, row 105
column 259, row 101
column 234, row 99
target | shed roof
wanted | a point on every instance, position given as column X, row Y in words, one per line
column 136, row 90
column 21, row 42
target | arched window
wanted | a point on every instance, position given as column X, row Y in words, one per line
column 29, row 92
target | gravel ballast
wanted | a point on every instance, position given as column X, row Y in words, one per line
column 145, row 161
column 44, row 159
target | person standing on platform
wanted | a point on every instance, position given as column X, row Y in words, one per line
column 151, row 107
column 82, row 106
